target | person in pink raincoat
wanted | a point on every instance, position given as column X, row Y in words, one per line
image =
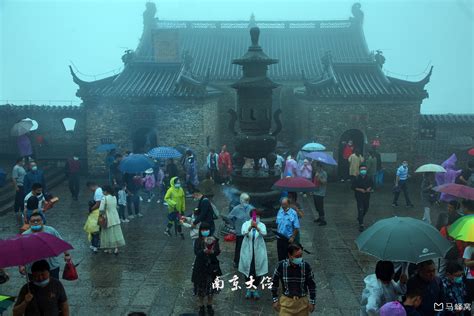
column 291, row 167
column 149, row 183
column 448, row 177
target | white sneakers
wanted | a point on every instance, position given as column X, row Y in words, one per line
column 139, row 215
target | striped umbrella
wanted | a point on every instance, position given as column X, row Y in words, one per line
column 164, row 153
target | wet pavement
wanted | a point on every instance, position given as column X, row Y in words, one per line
column 153, row 272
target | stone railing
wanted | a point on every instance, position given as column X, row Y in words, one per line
column 330, row 24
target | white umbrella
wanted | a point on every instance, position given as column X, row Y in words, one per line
column 313, row 147
column 431, row 167
column 21, row 128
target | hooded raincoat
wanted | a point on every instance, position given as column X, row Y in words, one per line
column 175, row 198
column 376, row 294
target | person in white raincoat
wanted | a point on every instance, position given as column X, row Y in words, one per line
column 253, row 261
column 380, row 288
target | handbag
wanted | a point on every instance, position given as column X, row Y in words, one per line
column 102, row 221
column 70, row 272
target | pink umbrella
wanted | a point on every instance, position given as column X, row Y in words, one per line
column 23, row 249
column 457, row 190
column 294, row 184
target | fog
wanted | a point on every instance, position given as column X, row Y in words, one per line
column 39, row 39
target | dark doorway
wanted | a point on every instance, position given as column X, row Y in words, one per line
column 144, row 139
column 358, row 139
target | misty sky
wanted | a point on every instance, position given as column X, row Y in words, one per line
column 39, row 39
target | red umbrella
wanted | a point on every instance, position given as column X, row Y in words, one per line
column 296, row 184
column 24, row 249
column 471, row 152
column 457, row 190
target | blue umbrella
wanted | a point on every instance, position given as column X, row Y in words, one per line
column 322, row 157
column 135, row 163
column 105, row 147
column 164, row 153
column 313, row 147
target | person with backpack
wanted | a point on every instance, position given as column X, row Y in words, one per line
column 205, row 211
column 149, row 183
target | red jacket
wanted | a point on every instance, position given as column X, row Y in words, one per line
column 225, row 161
column 347, row 152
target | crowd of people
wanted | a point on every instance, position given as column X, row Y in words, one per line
column 394, row 289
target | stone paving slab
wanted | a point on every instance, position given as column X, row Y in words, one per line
column 153, row 273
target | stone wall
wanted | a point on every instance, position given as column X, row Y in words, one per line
column 175, row 122
column 395, row 123
column 58, row 143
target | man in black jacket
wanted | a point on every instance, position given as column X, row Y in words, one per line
column 362, row 187
column 205, row 213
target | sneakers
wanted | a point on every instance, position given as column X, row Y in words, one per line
column 125, row 220
column 94, row 249
column 394, row 205
column 256, row 295
column 139, row 215
column 342, row 180
column 131, row 217
column 248, row 294
column 159, row 201
column 165, row 204
column 149, row 200
column 168, row 233
column 141, row 199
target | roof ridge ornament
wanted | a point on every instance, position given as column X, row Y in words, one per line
column 357, row 13
column 379, row 58
column 149, row 14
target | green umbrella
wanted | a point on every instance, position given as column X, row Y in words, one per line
column 403, row 239
column 463, row 229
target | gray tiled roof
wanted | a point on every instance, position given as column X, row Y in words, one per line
column 146, row 80
column 298, row 46
column 447, row 119
column 363, row 80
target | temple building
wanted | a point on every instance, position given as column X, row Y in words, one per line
column 175, row 88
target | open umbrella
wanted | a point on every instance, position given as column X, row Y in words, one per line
column 403, row 239
column 21, row 128
column 23, row 249
column 431, row 167
column 135, row 163
column 5, row 302
column 471, row 152
column 313, row 147
column 457, row 190
column 164, row 153
column 105, row 147
column 463, row 229
column 296, row 184
column 322, row 157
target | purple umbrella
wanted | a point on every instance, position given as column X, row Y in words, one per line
column 322, row 157
column 457, row 190
column 23, row 249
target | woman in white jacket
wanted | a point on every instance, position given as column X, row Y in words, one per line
column 253, row 261
column 380, row 288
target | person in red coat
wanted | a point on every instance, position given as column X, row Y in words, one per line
column 225, row 165
column 347, row 151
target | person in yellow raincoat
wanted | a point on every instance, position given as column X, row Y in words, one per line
column 91, row 227
column 175, row 198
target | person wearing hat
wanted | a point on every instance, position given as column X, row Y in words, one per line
column 362, row 187
column 149, row 183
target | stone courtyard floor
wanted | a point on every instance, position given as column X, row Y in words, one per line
column 153, row 272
